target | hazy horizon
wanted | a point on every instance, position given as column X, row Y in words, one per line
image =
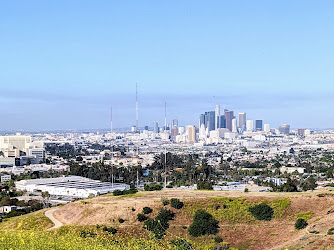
column 64, row 64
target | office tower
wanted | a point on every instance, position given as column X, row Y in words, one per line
column 155, row 127
column 228, row 119
column 234, row 125
column 284, row 129
column 191, row 131
column 242, row 121
column 258, row 125
column 217, row 114
column 175, row 122
column 249, row 125
column 201, row 120
column 266, row 128
column 209, row 118
column 222, row 122
column 174, row 132
column 212, row 121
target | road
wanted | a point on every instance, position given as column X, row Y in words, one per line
column 56, row 222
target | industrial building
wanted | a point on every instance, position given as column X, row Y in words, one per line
column 72, row 186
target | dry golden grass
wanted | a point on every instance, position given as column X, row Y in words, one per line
column 276, row 234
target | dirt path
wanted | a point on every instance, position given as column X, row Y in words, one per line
column 56, row 222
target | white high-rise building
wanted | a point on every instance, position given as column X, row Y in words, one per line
column 217, row 115
column 250, row 125
column 181, row 130
column 266, row 128
column 242, row 120
column 234, row 125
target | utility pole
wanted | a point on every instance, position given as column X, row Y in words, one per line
column 136, row 108
column 137, row 167
column 112, row 151
column 165, row 166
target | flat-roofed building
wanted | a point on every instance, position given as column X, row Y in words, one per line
column 72, row 186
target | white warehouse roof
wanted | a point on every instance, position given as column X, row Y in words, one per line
column 75, row 186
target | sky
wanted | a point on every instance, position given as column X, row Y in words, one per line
column 63, row 64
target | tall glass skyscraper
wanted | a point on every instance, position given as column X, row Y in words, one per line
column 258, row 125
column 229, row 116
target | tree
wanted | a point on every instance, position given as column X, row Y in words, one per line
column 309, row 184
column 300, row 224
column 176, row 203
column 289, row 186
column 262, row 211
column 203, row 223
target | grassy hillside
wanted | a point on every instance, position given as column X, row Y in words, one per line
column 84, row 221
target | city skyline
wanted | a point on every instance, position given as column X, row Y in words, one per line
column 63, row 67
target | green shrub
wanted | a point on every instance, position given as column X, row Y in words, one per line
column 218, row 239
column 262, row 211
column 203, row 223
column 147, row 210
column 300, row 224
column 330, row 231
column 110, row 230
column 141, row 217
column 132, row 190
column 176, row 203
column 152, row 187
column 164, row 216
column 160, row 224
column 181, row 244
column 120, row 220
column 202, row 185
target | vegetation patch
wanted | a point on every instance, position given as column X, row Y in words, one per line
column 33, row 221
column 153, row 187
column 330, row 231
column 306, row 216
column 147, row 210
column 300, row 224
column 235, row 210
column 176, row 203
column 203, row 223
column 181, row 244
column 262, row 211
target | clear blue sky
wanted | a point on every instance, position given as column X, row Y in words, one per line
column 64, row 63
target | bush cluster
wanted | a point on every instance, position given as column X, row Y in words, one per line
column 203, row 223
column 160, row 224
column 218, row 239
column 152, row 187
column 204, row 185
column 262, row 212
column 181, row 244
column 147, row 210
column 300, row 223
column 141, row 217
column 109, row 230
column 176, row 203
column 132, row 190
column 84, row 234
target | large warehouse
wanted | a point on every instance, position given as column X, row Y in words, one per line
column 73, row 186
